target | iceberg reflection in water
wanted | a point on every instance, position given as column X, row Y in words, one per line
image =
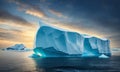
column 14, row 61
column 63, row 64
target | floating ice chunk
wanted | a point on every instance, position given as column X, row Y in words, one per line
column 103, row 56
column 17, row 47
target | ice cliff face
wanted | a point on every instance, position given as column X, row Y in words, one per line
column 71, row 42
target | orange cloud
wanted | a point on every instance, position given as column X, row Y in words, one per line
column 11, row 37
column 29, row 9
column 35, row 13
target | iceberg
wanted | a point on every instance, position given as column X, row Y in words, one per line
column 17, row 47
column 53, row 41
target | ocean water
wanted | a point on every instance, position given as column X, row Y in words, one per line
column 13, row 61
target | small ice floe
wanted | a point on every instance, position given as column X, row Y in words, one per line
column 103, row 56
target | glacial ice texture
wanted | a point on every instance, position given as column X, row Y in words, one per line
column 71, row 42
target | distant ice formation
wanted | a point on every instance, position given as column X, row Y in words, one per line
column 69, row 43
column 18, row 47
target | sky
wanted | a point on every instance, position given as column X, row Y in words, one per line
column 19, row 19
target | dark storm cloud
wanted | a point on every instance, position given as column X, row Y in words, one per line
column 102, row 16
column 105, row 13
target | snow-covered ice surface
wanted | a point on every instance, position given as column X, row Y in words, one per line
column 71, row 42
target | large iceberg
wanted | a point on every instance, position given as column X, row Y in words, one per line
column 53, row 41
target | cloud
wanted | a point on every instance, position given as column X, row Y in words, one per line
column 9, row 34
column 11, row 37
column 56, row 13
column 35, row 13
column 40, row 11
column 7, row 17
column 29, row 9
column 14, row 29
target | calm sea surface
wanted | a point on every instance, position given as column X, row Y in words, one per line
column 11, row 61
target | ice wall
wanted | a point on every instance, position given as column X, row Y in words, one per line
column 71, row 42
